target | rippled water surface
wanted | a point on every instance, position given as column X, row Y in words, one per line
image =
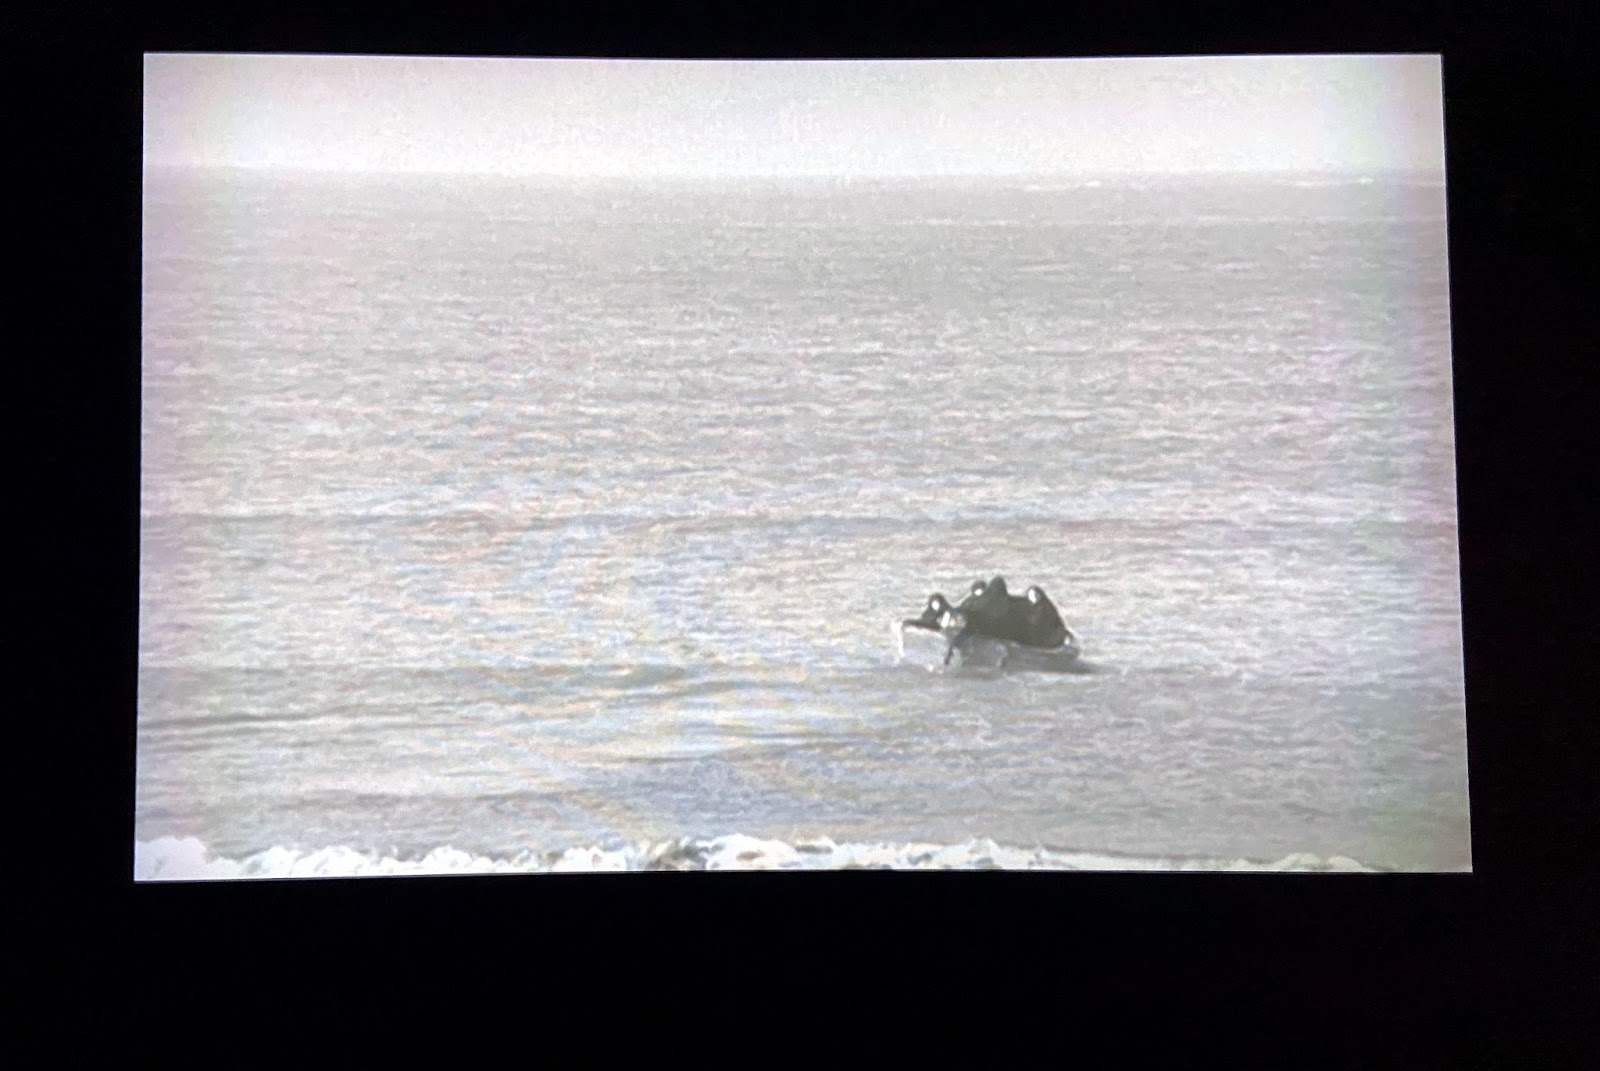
column 516, row 518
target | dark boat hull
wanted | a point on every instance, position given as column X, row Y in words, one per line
column 926, row 647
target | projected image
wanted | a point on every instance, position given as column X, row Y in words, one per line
column 575, row 465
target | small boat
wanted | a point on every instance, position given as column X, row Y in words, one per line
column 927, row 645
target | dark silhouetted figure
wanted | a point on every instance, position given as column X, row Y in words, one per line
column 1044, row 625
column 933, row 615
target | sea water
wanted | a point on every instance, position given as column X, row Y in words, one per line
column 497, row 524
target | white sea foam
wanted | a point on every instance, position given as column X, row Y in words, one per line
column 188, row 859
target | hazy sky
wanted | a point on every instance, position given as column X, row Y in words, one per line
column 852, row 117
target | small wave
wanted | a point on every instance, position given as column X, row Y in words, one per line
column 188, row 859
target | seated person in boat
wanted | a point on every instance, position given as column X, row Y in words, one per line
column 934, row 616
